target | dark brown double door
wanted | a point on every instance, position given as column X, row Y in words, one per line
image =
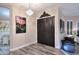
column 46, row 31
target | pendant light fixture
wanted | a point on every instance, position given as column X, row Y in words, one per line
column 29, row 12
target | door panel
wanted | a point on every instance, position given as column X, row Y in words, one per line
column 46, row 31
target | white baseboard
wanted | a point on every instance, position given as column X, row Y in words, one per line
column 22, row 46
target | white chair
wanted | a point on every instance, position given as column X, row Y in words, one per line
column 77, row 39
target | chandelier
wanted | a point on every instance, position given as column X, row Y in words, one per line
column 29, row 12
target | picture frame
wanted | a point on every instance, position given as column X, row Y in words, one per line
column 62, row 26
column 20, row 24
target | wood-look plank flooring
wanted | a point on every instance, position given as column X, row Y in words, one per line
column 37, row 49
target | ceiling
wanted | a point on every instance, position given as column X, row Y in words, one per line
column 68, row 9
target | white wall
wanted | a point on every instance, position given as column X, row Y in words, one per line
column 73, row 19
column 22, row 39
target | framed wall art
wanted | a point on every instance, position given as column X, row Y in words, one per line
column 20, row 24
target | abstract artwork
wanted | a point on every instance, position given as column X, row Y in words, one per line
column 62, row 26
column 20, row 24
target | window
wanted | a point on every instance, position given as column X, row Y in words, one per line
column 69, row 27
